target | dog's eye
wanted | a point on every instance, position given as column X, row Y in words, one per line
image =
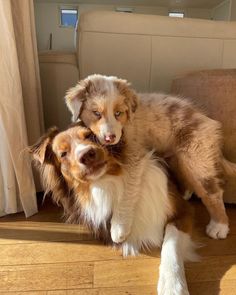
column 97, row 114
column 117, row 114
column 63, row 154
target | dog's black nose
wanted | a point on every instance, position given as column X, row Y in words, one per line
column 110, row 138
column 88, row 157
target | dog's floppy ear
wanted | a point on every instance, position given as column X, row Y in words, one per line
column 41, row 150
column 76, row 96
column 131, row 97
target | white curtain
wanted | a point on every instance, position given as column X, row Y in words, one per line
column 21, row 121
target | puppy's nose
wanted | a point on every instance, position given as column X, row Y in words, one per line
column 88, row 157
column 110, row 138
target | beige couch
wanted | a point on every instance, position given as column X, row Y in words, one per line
column 148, row 50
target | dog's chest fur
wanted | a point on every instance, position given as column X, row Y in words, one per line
column 151, row 212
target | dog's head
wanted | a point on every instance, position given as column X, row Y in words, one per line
column 73, row 154
column 104, row 104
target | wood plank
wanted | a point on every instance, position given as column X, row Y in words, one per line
column 128, row 272
column 55, row 252
column 25, row 293
column 144, row 271
column 57, row 292
column 75, row 292
column 203, row 288
column 131, row 290
column 212, row 269
column 46, row 277
column 25, row 232
column 226, row 287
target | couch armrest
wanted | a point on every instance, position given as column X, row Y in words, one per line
column 59, row 72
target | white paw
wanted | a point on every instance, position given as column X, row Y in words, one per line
column 170, row 284
column 119, row 232
column 129, row 249
column 187, row 195
column 217, row 230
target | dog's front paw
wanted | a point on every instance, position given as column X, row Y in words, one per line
column 171, row 285
column 217, row 230
column 119, row 232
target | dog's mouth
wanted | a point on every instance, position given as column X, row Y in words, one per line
column 96, row 170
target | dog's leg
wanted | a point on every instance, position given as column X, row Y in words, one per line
column 201, row 174
column 218, row 227
column 122, row 218
column 176, row 248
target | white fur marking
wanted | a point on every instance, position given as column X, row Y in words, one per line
column 81, row 147
column 187, row 195
column 118, row 232
column 177, row 247
column 217, row 230
column 103, row 192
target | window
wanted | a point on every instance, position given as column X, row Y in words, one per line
column 69, row 17
column 176, row 14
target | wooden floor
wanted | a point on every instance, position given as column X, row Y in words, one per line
column 41, row 255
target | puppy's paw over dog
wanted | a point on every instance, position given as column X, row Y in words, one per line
column 119, row 232
column 217, row 230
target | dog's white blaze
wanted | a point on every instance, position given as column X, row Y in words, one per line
column 111, row 125
column 81, row 148
column 177, row 248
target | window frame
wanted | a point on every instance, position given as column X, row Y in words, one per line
column 67, row 7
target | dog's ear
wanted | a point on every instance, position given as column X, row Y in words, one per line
column 76, row 96
column 131, row 97
column 42, row 150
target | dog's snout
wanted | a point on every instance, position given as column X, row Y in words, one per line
column 110, row 138
column 88, row 157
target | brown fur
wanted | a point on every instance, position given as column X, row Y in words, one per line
column 171, row 126
column 67, row 191
column 182, row 212
column 73, row 193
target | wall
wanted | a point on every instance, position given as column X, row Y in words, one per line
column 233, row 10
column 47, row 21
column 198, row 13
column 222, row 11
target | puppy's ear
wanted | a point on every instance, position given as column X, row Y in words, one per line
column 131, row 97
column 41, row 150
column 76, row 96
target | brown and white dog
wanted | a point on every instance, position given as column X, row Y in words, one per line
column 88, row 181
column 171, row 126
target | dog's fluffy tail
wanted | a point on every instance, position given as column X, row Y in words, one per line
column 229, row 167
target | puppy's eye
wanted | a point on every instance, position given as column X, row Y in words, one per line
column 63, row 154
column 117, row 114
column 97, row 114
